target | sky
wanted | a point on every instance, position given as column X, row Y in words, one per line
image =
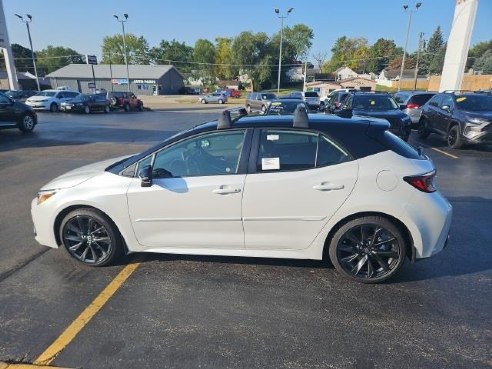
column 82, row 25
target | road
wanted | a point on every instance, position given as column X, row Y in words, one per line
column 222, row 312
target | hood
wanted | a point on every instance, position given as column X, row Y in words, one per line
column 80, row 175
column 380, row 113
column 39, row 98
column 485, row 115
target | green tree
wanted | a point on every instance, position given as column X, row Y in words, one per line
column 223, row 58
column 343, row 52
column 22, row 59
column 137, row 49
column 173, row 52
column 380, row 54
column 204, row 57
column 299, row 39
column 56, row 57
column 475, row 52
column 251, row 51
column 433, row 56
column 484, row 63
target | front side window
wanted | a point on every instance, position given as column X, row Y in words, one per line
column 284, row 150
column 447, row 101
column 210, row 154
column 435, row 100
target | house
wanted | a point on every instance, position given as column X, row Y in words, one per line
column 344, row 73
column 144, row 79
column 388, row 77
column 359, row 83
column 323, row 88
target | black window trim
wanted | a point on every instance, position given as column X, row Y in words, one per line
column 255, row 149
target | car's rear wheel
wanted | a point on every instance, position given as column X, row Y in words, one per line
column 221, row 101
column 203, row 101
column 126, row 107
column 87, row 110
column 90, row 237
column 107, row 109
column 423, row 130
column 454, row 137
column 140, row 107
column 53, row 107
column 26, row 123
column 369, row 249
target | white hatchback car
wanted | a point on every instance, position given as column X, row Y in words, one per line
column 50, row 99
column 302, row 186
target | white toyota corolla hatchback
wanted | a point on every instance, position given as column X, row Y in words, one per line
column 298, row 186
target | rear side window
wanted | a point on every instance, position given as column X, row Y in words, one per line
column 284, row 150
column 420, row 99
column 311, row 94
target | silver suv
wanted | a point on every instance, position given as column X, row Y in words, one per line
column 259, row 101
column 311, row 98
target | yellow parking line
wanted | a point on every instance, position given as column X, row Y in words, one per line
column 76, row 326
column 26, row 366
column 445, row 153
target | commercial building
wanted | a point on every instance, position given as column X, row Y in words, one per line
column 144, row 79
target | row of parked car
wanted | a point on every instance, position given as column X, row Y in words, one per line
column 461, row 117
column 18, row 109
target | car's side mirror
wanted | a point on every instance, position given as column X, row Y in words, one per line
column 344, row 112
column 145, row 175
column 446, row 107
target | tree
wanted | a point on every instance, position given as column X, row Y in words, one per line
column 251, row 51
column 484, row 63
column 343, row 52
column 137, row 49
column 173, row 52
column 433, row 57
column 204, row 57
column 22, row 59
column 320, row 59
column 223, row 58
column 299, row 39
column 56, row 57
column 475, row 52
column 380, row 54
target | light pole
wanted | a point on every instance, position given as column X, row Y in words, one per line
column 410, row 12
column 27, row 21
column 282, row 17
column 122, row 21
column 421, row 45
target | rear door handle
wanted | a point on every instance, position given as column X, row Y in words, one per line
column 328, row 186
column 223, row 190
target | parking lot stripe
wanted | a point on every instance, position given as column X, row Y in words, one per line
column 79, row 323
column 445, row 153
column 26, row 366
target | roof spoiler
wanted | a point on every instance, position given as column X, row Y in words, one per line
column 228, row 116
column 301, row 119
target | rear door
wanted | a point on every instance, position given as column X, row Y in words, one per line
column 433, row 111
column 299, row 180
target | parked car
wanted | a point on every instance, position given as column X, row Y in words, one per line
column 50, row 99
column 335, row 100
column 15, row 114
column 325, row 98
column 411, row 103
column 87, row 104
column 311, row 98
column 285, row 106
column 20, row 95
column 377, row 105
column 299, row 186
column 463, row 118
column 215, row 97
column 230, row 92
column 124, row 100
column 259, row 101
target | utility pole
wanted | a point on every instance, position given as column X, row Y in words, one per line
column 122, row 21
column 421, row 45
column 27, row 21
column 282, row 17
column 410, row 13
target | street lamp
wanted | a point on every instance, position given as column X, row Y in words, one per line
column 122, row 21
column 282, row 17
column 410, row 12
column 27, row 21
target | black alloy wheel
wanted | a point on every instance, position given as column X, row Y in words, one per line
column 454, row 137
column 53, row 107
column 368, row 249
column 90, row 238
column 87, row 110
column 422, row 130
column 26, row 124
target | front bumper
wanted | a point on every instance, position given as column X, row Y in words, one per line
column 476, row 134
column 43, row 223
column 38, row 105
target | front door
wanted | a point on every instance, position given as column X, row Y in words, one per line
column 195, row 197
column 7, row 115
column 302, row 178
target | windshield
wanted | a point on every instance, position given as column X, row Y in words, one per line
column 474, row 103
column 13, row 94
column 268, row 96
column 46, row 93
column 374, row 103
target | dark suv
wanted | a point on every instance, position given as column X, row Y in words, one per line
column 377, row 105
column 124, row 100
column 15, row 114
column 463, row 118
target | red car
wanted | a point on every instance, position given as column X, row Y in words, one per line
column 235, row 93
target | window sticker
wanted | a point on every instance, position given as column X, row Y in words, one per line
column 272, row 137
column 270, row 163
column 460, row 99
column 276, row 103
column 373, row 102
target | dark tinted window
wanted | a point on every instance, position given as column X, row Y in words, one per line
column 399, row 146
column 268, row 96
column 436, row 100
column 401, row 97
column 447, row 100
column 283, row 107
column 374, row 102
column 330, row 153
column 311, row 94
column 474, row 102
column 420, row 99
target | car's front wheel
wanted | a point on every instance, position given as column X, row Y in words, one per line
column 423, row 130
column 90, row 237
column 368, row 249
column 221, row 101
column 87, row 110
column 107, row 109
column 26, row 123
column 203, row 101
column 126, row 107
column 454, row 138
column 53, row 107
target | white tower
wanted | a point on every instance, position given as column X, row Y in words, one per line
column 458, row 44
column 7, row 50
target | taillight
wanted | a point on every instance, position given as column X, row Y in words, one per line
column 413, row 106
column 423, row 182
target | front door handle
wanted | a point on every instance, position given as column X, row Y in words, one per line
column 328, row 186
column 223, row 190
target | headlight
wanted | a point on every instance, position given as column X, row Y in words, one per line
column 45, row 195
column 477, row 121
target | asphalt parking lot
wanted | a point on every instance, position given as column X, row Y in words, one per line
column 222, row 312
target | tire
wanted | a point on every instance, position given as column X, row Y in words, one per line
column 53, row 107
column 203, row 101
column 140, row 107
column 248, row 109
column 79, row 231
column 26, row 123
column 422, row 130
column 126, row 107
column 356, row 256
column 263, row 109
column 221, row 101
column 87, row 110
column 107, row 109
column 454, row 137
